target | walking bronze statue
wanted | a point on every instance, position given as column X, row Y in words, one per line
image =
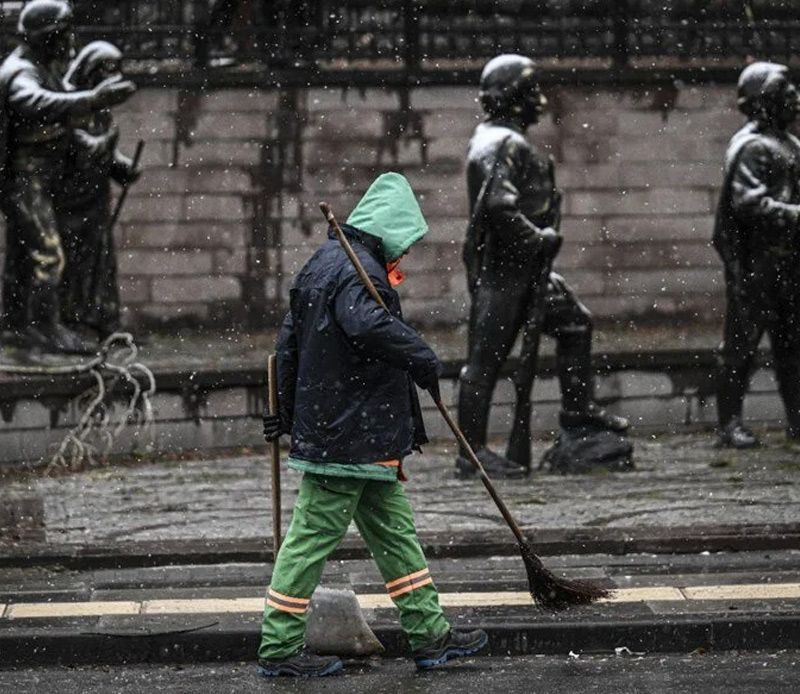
column 89, row 290
column 512, row 240
column 756, row 235
column 36, row 112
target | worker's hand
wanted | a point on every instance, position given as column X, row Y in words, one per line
column 431, row 384
column 272, row 426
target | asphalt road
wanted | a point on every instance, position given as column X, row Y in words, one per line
column 743, row 673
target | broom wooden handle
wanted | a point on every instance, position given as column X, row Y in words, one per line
column 512, row 522
column 272, row 386
column 348, row 249
column 362, row 273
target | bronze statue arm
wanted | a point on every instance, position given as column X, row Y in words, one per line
column 30, row 99
column 751, row 187
column 503, row 196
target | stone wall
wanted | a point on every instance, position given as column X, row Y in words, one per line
column 226, row 211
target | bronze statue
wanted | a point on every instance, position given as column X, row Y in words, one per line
column 756, row 235
column 89, row 291
column 35, row 116
column 511, row 242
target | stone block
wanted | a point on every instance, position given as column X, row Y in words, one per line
column 662, row 281
column 452, row 122
column 345, row 124
column 134, row 290
column 423, row 285
column 581, row 124
column 239, row 100
column 664, row 414
column 27, row 414
column 675, row 174
column 217, row 207
column 439, row 311
column 221, row 153
column 229, row 261
column 162, row 179
column 294, row 257
column 706, row 97
column 664, row 148
column 765, row 408
column 169, row 407
column 437, row 98
column 589, row 175
column 576, row 152
column 171, row 290
column 644, row 384
column 586, row 282
column 231, row 126
column 581, row 255
column 653, row 255
column 763, row 381
column 153, row 207
column 660, row 227
column 147, row 125
column 175, row 235
column 155, row 153
column 231, row 402
column 204, row 179
column 161, row 310
column 638, row 202
column 172, row 262
column 343, row 98
column 149, row 100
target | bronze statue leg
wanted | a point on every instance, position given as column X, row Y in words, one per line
column 569, row 322
column 784, row 335
column 497, row 316
column 744, row 326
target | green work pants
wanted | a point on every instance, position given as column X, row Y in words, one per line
column 323, row 511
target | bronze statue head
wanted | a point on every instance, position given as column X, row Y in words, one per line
column 509, row 88
column 96, row 62
column 46, row 26
column 767, row 94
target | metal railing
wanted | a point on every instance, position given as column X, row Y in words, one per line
column 419, row 35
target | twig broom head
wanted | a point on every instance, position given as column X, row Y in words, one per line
column 553, row 593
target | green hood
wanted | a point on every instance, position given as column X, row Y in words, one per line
column 390, row 211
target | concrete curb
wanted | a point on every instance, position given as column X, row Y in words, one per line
column 547, row 542
column 56, row 644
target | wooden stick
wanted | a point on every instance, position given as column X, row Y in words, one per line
column 272, row 385
column 137, row 155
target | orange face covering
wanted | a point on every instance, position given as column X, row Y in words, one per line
column 396, row 276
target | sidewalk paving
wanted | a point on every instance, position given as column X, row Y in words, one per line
column 680, row 482
column 167, row 561
column 709, row 673
column 199, row 613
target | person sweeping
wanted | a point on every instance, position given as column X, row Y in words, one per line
column 346, row 374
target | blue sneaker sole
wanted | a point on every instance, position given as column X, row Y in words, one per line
column 427, row 663
column 332, row 669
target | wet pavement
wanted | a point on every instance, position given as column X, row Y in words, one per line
column 680, row 481
column 745, row 673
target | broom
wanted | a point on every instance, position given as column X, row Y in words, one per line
column 547, row 590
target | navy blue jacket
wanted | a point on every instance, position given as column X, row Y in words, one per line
column 345, row 366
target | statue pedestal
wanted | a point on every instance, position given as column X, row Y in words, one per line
column 210, row 394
